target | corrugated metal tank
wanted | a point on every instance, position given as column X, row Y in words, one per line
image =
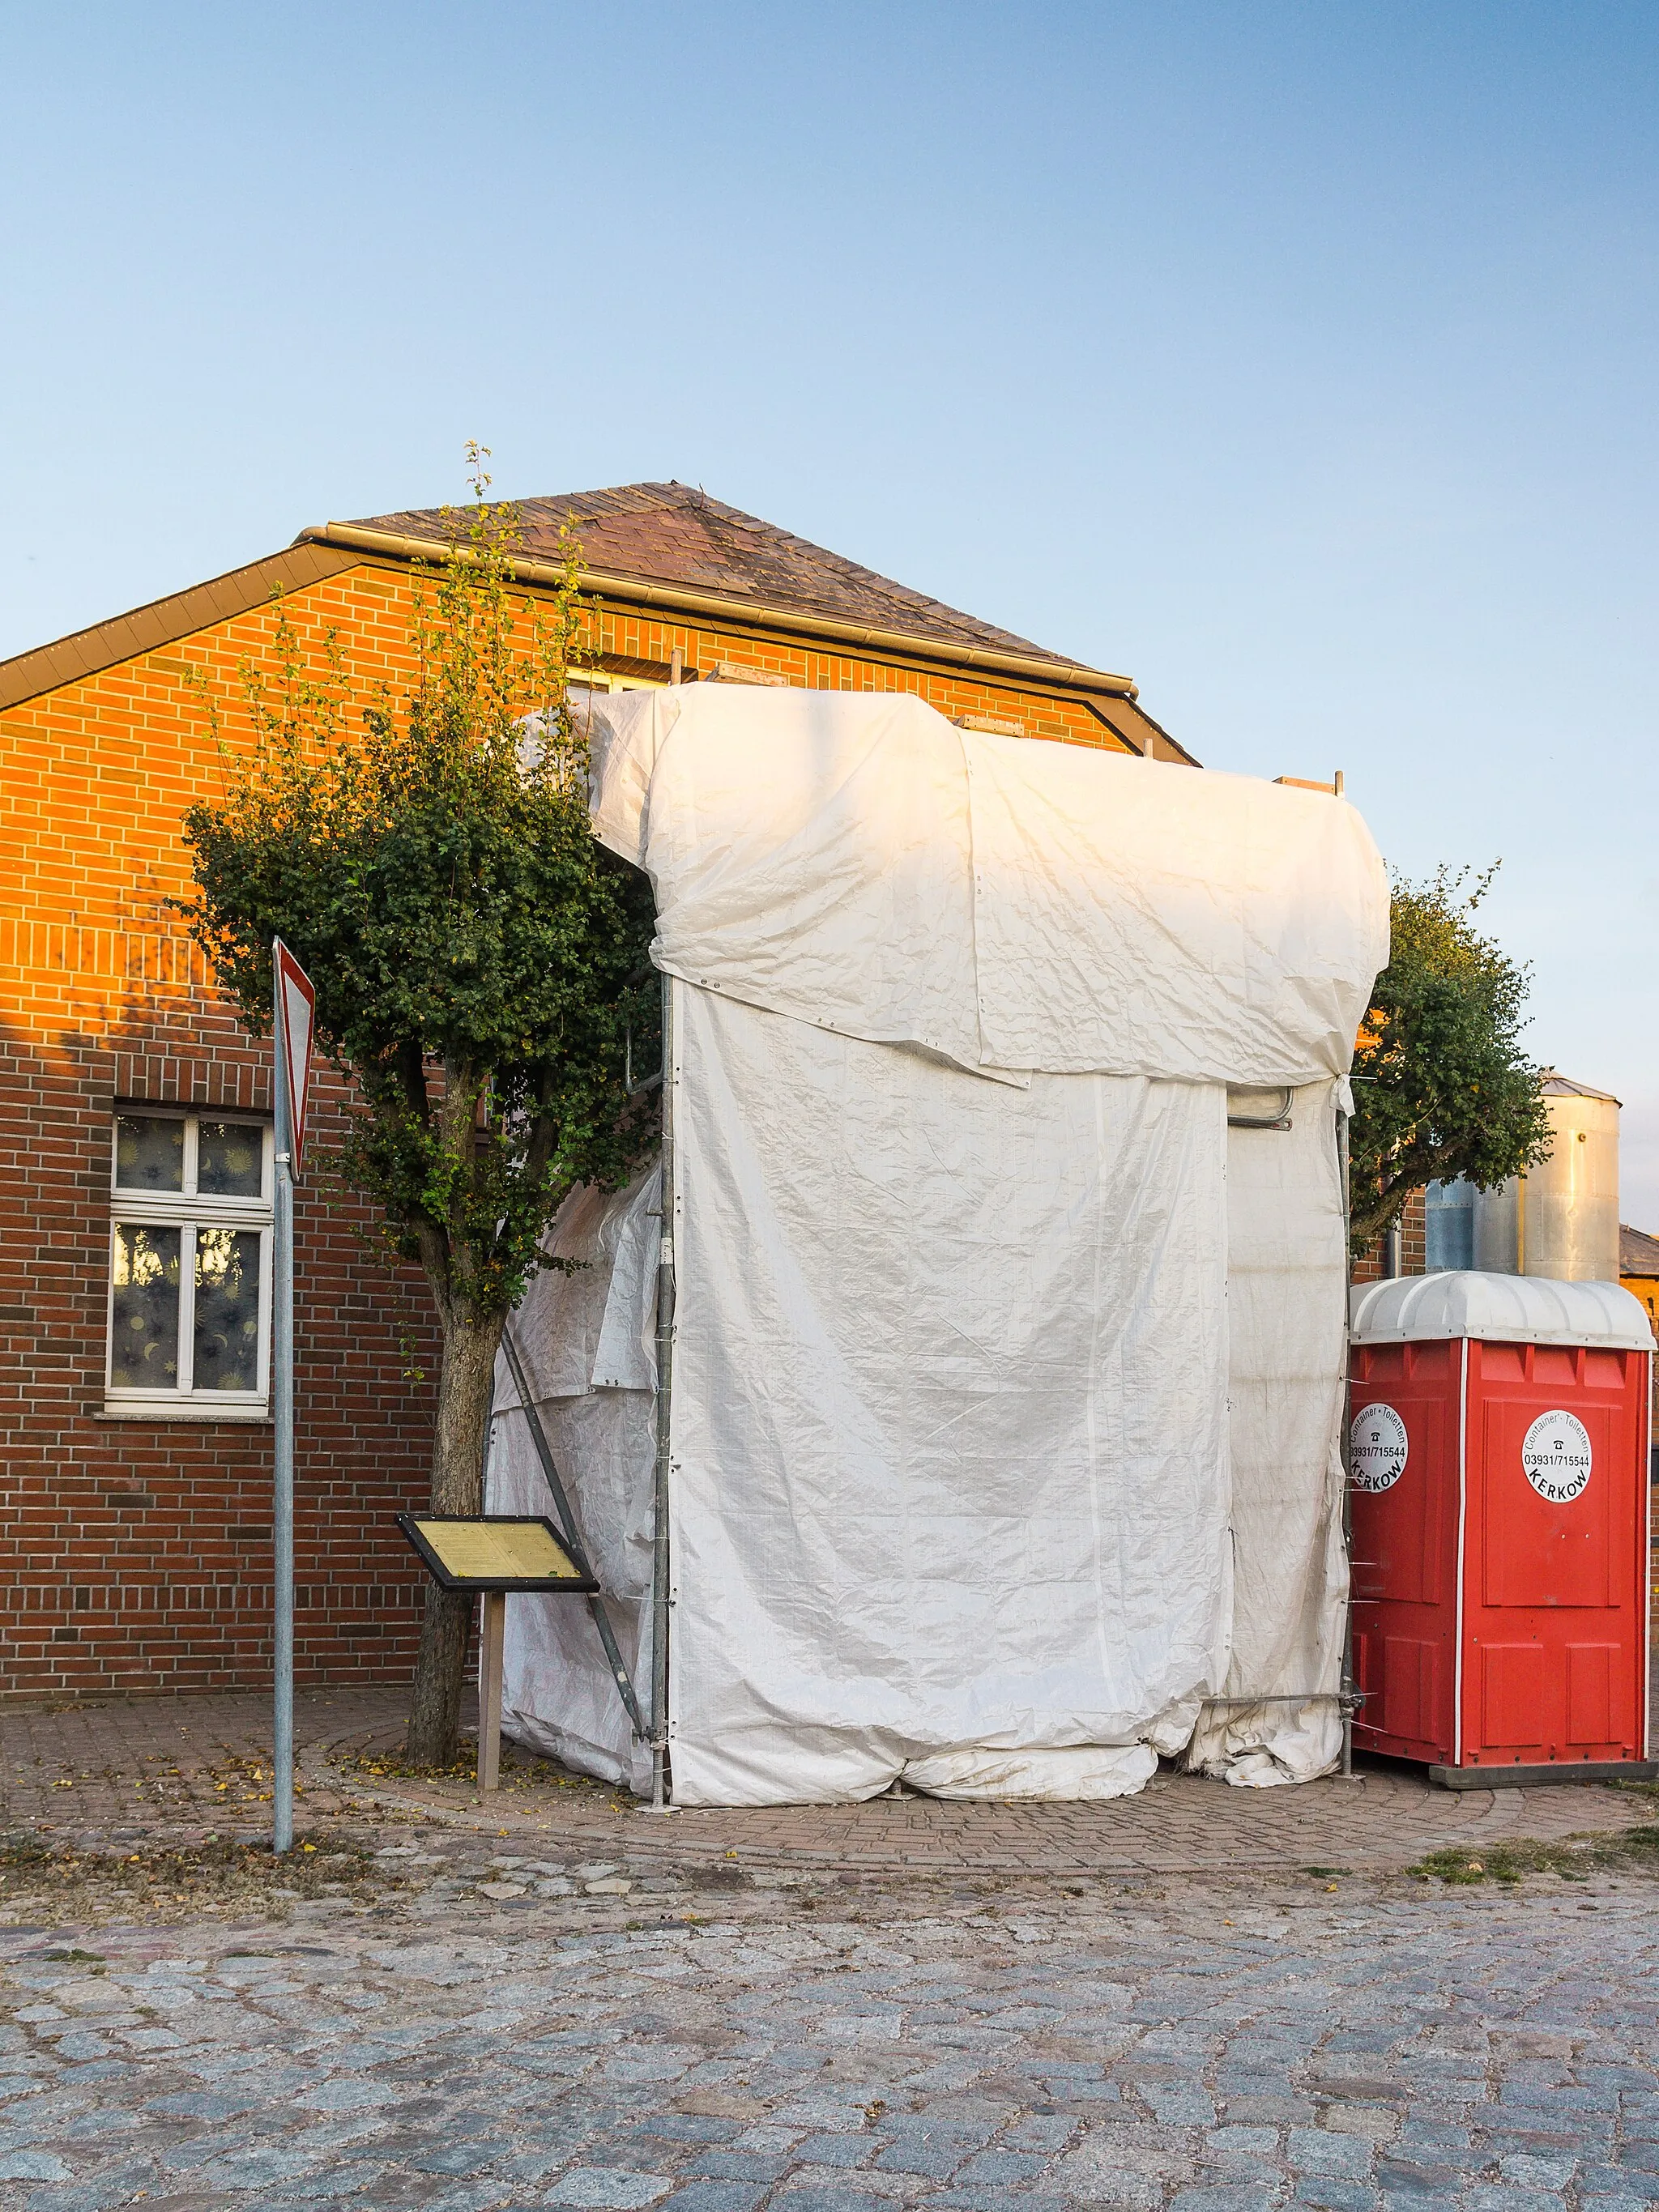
column 1561, row 1220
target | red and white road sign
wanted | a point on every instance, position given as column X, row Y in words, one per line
column 296, row 1011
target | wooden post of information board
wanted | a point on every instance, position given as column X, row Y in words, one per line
column 492, row 1553
column 492, row 1642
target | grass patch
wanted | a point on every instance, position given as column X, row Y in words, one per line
column 1575, row 1858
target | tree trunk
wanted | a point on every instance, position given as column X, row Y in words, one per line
column 465, row 1383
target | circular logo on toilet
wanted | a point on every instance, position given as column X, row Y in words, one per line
column 1556, row 1457
column 1377, row 1448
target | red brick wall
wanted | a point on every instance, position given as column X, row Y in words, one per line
column 134, row 1555
column 1044, row 712
column 136, row 1552
column 1413, row 1245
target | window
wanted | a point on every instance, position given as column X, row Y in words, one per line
column 190, row 1265
column 585, row 683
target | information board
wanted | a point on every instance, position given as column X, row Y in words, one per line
column 493, row 1552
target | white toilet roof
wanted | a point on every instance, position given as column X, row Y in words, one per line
column 1506, row 1309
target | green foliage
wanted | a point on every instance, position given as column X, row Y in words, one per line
column 1442, row 1087
column 432, row 867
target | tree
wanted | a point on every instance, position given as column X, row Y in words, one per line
column 429, row 860
column 1441, row 1085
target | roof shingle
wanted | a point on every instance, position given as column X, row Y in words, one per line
column 676, row 534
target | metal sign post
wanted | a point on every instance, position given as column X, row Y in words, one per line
column 295, row 1016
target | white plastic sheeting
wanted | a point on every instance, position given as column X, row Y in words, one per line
column 859, row 863
column 950, row 1472
column 955, row 1490
column 1284, row 1277
column 811, row 854
column 583, row 1335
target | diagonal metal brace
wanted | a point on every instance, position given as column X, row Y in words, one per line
column 573, row 1542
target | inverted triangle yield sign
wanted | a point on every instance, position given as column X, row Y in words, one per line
column 296, row 1013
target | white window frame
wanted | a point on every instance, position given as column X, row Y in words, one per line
column 600, row 679
column 188, row 1211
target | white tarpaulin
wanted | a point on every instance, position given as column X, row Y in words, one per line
column 955, row 1493
column 1284, row 1409
column 584, row 1338
column 943, row 1477
column 859, row 863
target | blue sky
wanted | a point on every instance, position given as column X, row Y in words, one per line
column 1298, row 360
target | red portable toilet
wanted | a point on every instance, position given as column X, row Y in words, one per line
column 1500, row 1527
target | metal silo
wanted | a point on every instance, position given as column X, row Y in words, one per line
column 1561, row 1220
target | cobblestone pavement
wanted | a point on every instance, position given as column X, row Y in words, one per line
column 1223, row 2046
column 186, row 1768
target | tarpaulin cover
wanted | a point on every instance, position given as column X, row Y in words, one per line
column 585, row 1339
column 860, row 864
column 1285, row 1398
column 956, row 1490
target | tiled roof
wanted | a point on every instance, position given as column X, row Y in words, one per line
column 672, row 534
column 1638, row 1252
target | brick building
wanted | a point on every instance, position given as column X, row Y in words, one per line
column 135, row 1187
column 1639, row 1271
column 1409, row 1256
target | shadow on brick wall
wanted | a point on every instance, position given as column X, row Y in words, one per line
column 135, row 1554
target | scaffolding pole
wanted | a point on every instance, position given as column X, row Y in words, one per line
column 567, row 1528
column 1348, row 1702
column 660, row 1777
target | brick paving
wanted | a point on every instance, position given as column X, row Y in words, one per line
column 183, row 1769
column 553, row 1997
column 1227, row 2043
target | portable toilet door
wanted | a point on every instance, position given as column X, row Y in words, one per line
column 1500, row 1513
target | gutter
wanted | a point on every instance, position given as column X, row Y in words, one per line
column 1068, row 674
